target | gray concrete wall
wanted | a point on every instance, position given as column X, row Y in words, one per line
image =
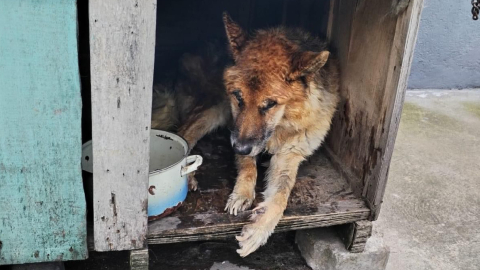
column 447, row 54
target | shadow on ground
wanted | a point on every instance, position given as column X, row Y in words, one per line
column 279, row 253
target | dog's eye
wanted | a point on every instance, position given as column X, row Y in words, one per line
column 269, row 104
column 238, row 96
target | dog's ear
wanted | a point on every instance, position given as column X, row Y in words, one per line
column 307, row 62
column 236, row 36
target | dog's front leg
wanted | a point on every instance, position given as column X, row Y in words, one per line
column 280, row 181
column 243, row 193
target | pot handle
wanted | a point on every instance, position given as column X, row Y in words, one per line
column 193, row 163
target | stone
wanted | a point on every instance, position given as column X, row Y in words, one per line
column 323, row 249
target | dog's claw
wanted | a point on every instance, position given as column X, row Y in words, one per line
column 258, row 210
column 237, row 203
column 239, row 238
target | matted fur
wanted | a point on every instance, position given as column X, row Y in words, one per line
column 279, row 94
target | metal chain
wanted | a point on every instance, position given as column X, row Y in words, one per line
column 475, row 9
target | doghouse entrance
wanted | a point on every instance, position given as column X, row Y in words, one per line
column 373, row 41
column 321, row 196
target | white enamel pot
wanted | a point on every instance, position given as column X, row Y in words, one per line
column 169, row 166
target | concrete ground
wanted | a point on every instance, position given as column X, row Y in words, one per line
column 431, row 212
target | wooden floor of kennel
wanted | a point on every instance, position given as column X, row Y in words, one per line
column 343, row 183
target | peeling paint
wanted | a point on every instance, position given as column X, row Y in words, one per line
column 41, row 196
column 165, row 213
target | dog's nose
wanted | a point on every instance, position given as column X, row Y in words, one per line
column 242, row 149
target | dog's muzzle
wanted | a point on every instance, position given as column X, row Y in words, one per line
column 248, row 146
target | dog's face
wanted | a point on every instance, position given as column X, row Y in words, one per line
column 256, row 109
column 269, row 74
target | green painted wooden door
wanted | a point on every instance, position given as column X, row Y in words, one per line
column 42, row 204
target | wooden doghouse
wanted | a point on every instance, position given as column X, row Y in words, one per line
column 124, row 43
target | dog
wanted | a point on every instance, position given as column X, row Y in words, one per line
column 278, row 89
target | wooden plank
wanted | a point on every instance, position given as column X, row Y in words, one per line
column 42, row 216
column 405, row 40
column 139, row 259
column 370, row 37
column 331, row 14
column 122, row 42
column 321, row 197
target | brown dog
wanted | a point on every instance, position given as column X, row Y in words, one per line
column 280, row 94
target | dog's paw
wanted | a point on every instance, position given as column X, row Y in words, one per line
column 251, row 238
column 254, row 235
column 238, row 202
column 192, row 182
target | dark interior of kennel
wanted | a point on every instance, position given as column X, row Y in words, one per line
column 322, row 195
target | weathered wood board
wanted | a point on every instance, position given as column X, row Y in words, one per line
column 42, row 204
column 139, row 259
column 404, row 43
column 122, row 42
column 321, row 197
column 374, row 40
column 355, row 235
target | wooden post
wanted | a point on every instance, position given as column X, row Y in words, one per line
column 355, row 235
column 375, row 41
column 122, row 43
column 405, row 40
column 139, row 259
column 42, row 204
